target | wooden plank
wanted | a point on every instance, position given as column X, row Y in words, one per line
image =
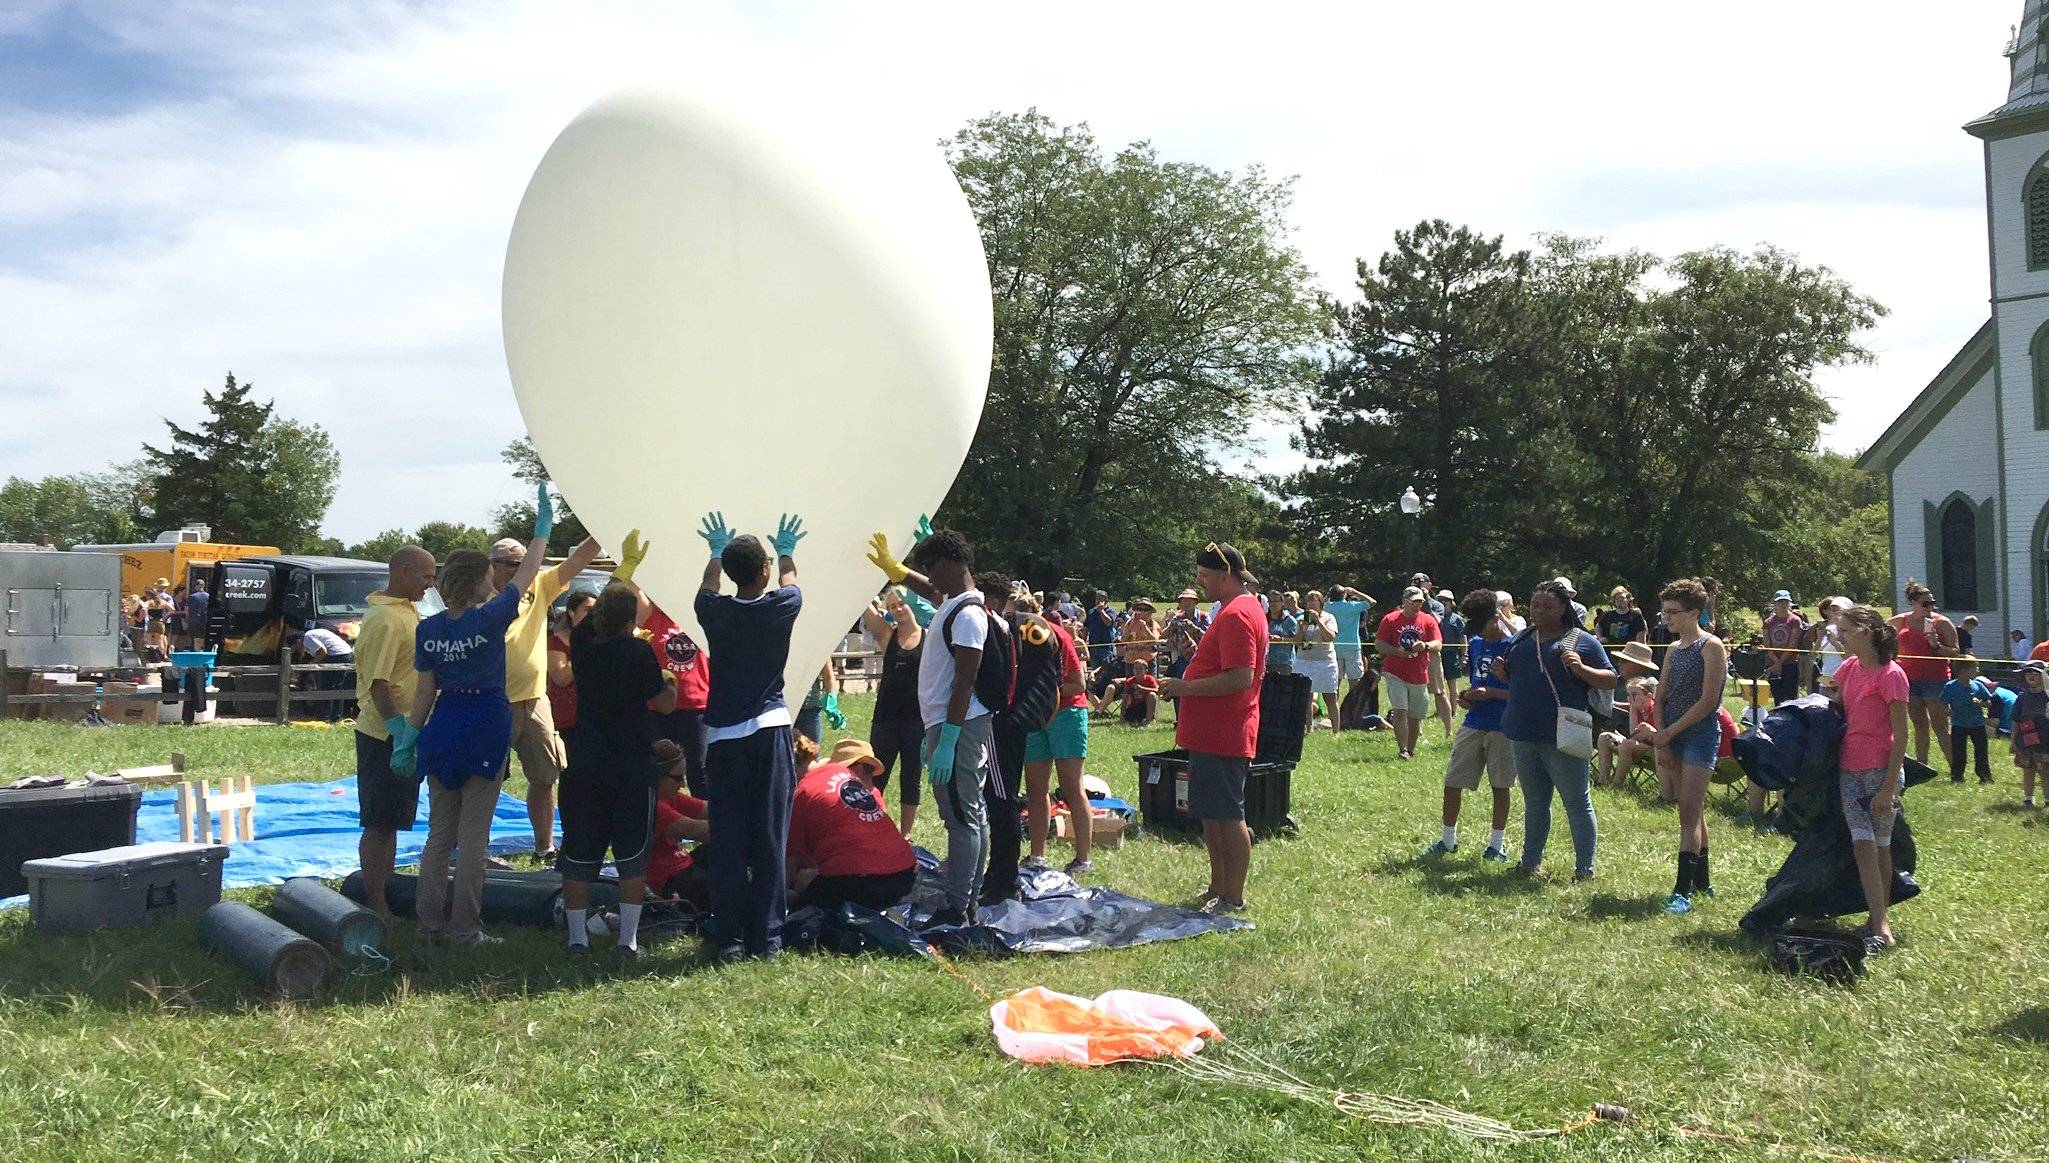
column 185, row 812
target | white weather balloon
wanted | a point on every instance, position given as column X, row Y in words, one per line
column 711, row 307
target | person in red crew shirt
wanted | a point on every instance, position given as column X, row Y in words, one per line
column 681, row 656
column 843, row 846
column 1219, row 720
column 1405, row 639
column 672, row 871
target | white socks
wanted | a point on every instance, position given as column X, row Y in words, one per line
column 1497, row 839
column 1450, row 836
column 579, row 933
column 629, row 926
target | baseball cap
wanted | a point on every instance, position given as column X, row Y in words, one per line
column 163, row 581
column 1445, row 594
column 848, row 752
column 506, row 549
column 2036, row 665
column 1565, row 583
column 1188, row 595
column 1783, row 596
column 1413, row 594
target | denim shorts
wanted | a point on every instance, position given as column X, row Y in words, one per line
column 1699, row 745
column 1932, row 689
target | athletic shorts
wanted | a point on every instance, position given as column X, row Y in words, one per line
column 1066, row 737
column 1436, row 671
column 384, row 799
column 1351, row 665
column 1932, row 689
column 1474, row 750
column 1858, row 787
column 535, row 742
column 1399, row 697
column 1216, row 786
column 1699, row 745
column 607, row 802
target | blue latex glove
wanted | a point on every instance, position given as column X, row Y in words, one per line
column 788, row 532
column 830, row 706
column 544, row 512
column 713, row 530
column 405, row 741
column 939, row 764
column 921, row 610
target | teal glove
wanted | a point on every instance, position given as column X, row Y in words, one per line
column 830, row 705
column 788, row 532
column 939, row 764
column 921, row 610
column 713, row 530
column 405, row 741
column 923, row 531
column 544, row 512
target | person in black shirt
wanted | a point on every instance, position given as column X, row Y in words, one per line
column 608, row 790
column 1624, row 623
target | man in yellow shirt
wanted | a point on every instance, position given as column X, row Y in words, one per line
column 387, row 802
column 534, row 740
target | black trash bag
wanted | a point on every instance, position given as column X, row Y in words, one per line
column 857, row 929
column 1830, row 954
column 1819, row 877
column 1798, row 740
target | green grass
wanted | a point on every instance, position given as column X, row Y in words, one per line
column 1369, row 969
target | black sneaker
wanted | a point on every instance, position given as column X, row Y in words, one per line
column 732, row 954
column 947, row 917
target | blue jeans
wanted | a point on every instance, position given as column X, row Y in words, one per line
column 751, row 781
column 1541, row 768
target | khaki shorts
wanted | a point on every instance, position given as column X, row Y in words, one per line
column 1473, row 750
column 535, row 742
column 1398, row 697
column 1436, row 672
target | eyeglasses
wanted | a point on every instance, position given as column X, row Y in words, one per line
column 1672, row 611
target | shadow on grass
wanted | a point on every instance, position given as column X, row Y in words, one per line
column 2012, row 808
column 1604, row 906
column 1733, row 942
column 1460, row 876
column 2029, row 1025
column 163, row 969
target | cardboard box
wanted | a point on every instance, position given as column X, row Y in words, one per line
column 59, row 684
column 127, row 704
column 1108, row 830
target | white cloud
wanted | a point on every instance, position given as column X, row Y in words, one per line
column 321, row 201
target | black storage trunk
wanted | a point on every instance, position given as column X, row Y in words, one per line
column 1163, row 793
column 1285, row 704
column 58, row 821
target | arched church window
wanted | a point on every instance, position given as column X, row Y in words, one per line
column 2035, row 208
column 1960, row 555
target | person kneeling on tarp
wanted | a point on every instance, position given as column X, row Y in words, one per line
column 674, row 872
column 843, row 845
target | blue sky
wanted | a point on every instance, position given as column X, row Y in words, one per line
column 317, row 197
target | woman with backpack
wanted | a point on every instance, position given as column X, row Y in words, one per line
column 1551, row 669
column 1689, row 736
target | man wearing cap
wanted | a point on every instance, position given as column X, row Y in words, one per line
column 1782, row 632
column 1446, row 664
column 1406, row 639
column 388, row 794
column 1219, row 721
column 1183, row 631
column 526, row 667
column 1101, row 624
column 843, row 846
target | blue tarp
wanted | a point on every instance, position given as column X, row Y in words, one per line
column 310, row 829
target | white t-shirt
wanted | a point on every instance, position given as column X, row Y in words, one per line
column 935, row 662
column 333, row 643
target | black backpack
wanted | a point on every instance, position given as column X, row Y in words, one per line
column 996, row 681
column 1035, row 694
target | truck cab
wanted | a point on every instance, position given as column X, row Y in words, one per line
column 259, row 602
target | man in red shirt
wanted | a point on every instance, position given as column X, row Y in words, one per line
column 1405, row 640
column 1219, row 720
column 843, row 845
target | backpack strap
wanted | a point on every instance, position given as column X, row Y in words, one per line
column 946, row 627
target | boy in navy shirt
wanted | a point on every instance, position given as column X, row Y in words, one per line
column 1480, row 748
column 749, row 759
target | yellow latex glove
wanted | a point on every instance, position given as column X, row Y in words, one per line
column 889, row 565
column 630, row 556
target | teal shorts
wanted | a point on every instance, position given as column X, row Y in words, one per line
column 1066, row 737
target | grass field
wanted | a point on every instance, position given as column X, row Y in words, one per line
column 1370, row 969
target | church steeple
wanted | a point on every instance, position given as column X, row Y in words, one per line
column 2027, row 96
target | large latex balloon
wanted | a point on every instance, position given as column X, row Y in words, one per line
column 711, row 307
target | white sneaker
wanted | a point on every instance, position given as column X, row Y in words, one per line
column 477, row 940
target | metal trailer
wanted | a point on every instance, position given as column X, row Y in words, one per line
column 63, row 609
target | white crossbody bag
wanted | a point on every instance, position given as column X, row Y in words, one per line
column 1575, row 729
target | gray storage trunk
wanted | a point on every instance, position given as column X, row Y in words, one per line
column 136, row 885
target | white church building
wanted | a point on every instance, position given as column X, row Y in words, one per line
column 1968, row 461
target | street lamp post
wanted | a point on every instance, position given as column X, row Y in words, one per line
column 1412, row 506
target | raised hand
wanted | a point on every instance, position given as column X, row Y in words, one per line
column 879, row 553
column 630, row 556
column 923, row 530
column 713, row 530
column 788, row 532
column 544, row 512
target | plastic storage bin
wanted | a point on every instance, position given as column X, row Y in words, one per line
column 1163, row 794
column 56, row 821
column 1285, row 704
column 136, row 885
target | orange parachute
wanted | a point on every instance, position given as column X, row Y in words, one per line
column 1038, row 1025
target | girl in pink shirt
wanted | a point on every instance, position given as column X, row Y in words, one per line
column 1873, row 691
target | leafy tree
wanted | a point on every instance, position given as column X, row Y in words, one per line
column 1146, row 312
column 58, row 507
column 440, row 538
column 249, row 475
column 516, row 520
column 380, row 547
